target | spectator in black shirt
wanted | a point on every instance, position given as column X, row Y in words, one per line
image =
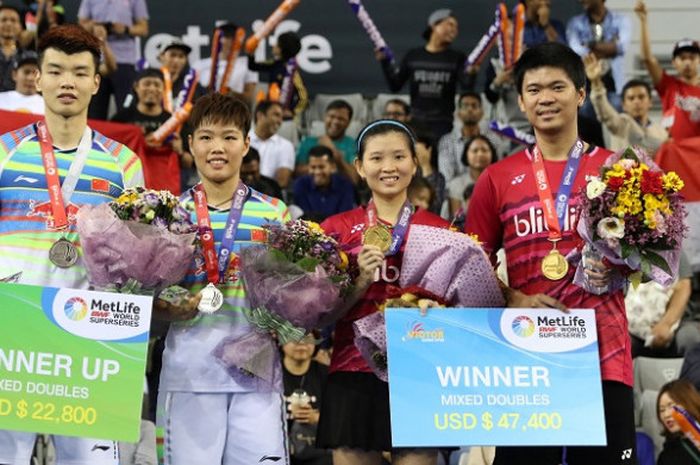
column 304, row 382
column 10, row 31
column 433, row 72
column 148, row 112
column 174, row 58
column 287, row 47
column 250, row 175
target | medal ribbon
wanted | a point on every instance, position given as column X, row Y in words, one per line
column 399, row 231
column 218, row 266
column 555, row 212
column 59, row 195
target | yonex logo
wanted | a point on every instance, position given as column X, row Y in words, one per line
column 626, row 454
column 518, row 179
column 357, row 228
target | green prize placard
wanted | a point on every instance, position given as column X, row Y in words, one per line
column 72, row 362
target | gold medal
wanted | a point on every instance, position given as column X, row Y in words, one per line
column 378, row 235
column 554, row 265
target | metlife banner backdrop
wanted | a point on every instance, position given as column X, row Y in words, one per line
column 475, row 376
column 72, row 362
column 337, row 55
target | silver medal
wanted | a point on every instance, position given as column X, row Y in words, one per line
column 212, row 299
column 63, row 253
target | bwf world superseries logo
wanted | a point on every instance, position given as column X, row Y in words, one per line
column 75, row 308
column 523, row 326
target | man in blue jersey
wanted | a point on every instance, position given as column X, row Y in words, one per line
column 205, row 416
column 47, row 171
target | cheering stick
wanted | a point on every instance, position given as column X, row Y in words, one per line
column 483, row 46
column 518, row 32
column 371, row 29
column 215, row 49
column 689, row 425
column 509, row 132
column 270, row 23
column 172, row 123
column 231, row 59
column 167, row 90
column 504, row 45
column 287, row 83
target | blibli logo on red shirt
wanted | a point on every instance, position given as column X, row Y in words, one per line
column 533, row 221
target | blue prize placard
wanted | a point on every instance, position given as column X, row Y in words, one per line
column 475, row 376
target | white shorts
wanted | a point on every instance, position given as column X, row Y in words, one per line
column 222, row 428
column 16, row 449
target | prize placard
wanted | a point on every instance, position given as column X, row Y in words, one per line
column 494, row 377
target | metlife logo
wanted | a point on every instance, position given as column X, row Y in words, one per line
column 104, row 316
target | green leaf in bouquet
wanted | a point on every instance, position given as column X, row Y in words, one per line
column 308, row 264
column 627, row 249
column 278, row 255
column 267, row 321
column 657, row 261
column 646, row 266
column 630, row 154
column 663, row 246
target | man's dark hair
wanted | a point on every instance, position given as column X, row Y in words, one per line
column 289, row 45
column 149, row 73
column 253, row 155
column 340, row 104
column 636, row 83
column 554, row 55
column 217, row 108
column 423, row 136
column 16, row 10
column 320, row 151
column 471, row 94
column 397, row 101
column 264, row 105
column 70, row 39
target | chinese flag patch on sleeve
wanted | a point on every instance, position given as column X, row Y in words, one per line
column 100, row 185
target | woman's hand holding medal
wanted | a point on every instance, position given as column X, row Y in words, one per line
column 369, row 260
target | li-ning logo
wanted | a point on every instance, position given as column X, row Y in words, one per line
column 100, row 447
column 518, row 179
column 523, row 326
column 272, row 458
column 75, row 308
column 417, row 331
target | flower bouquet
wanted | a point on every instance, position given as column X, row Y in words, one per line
column 633, row 217
column 292, row 282
column 141, row 241
column 447, row 267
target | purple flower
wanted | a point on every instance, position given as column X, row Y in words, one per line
column 151, row 199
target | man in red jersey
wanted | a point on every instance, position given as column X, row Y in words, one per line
column 506, row 212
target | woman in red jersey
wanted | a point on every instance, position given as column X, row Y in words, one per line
column 355, row 413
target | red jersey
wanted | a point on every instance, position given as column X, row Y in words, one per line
column 348, row 228
column 681, row 107
column 505, row 212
